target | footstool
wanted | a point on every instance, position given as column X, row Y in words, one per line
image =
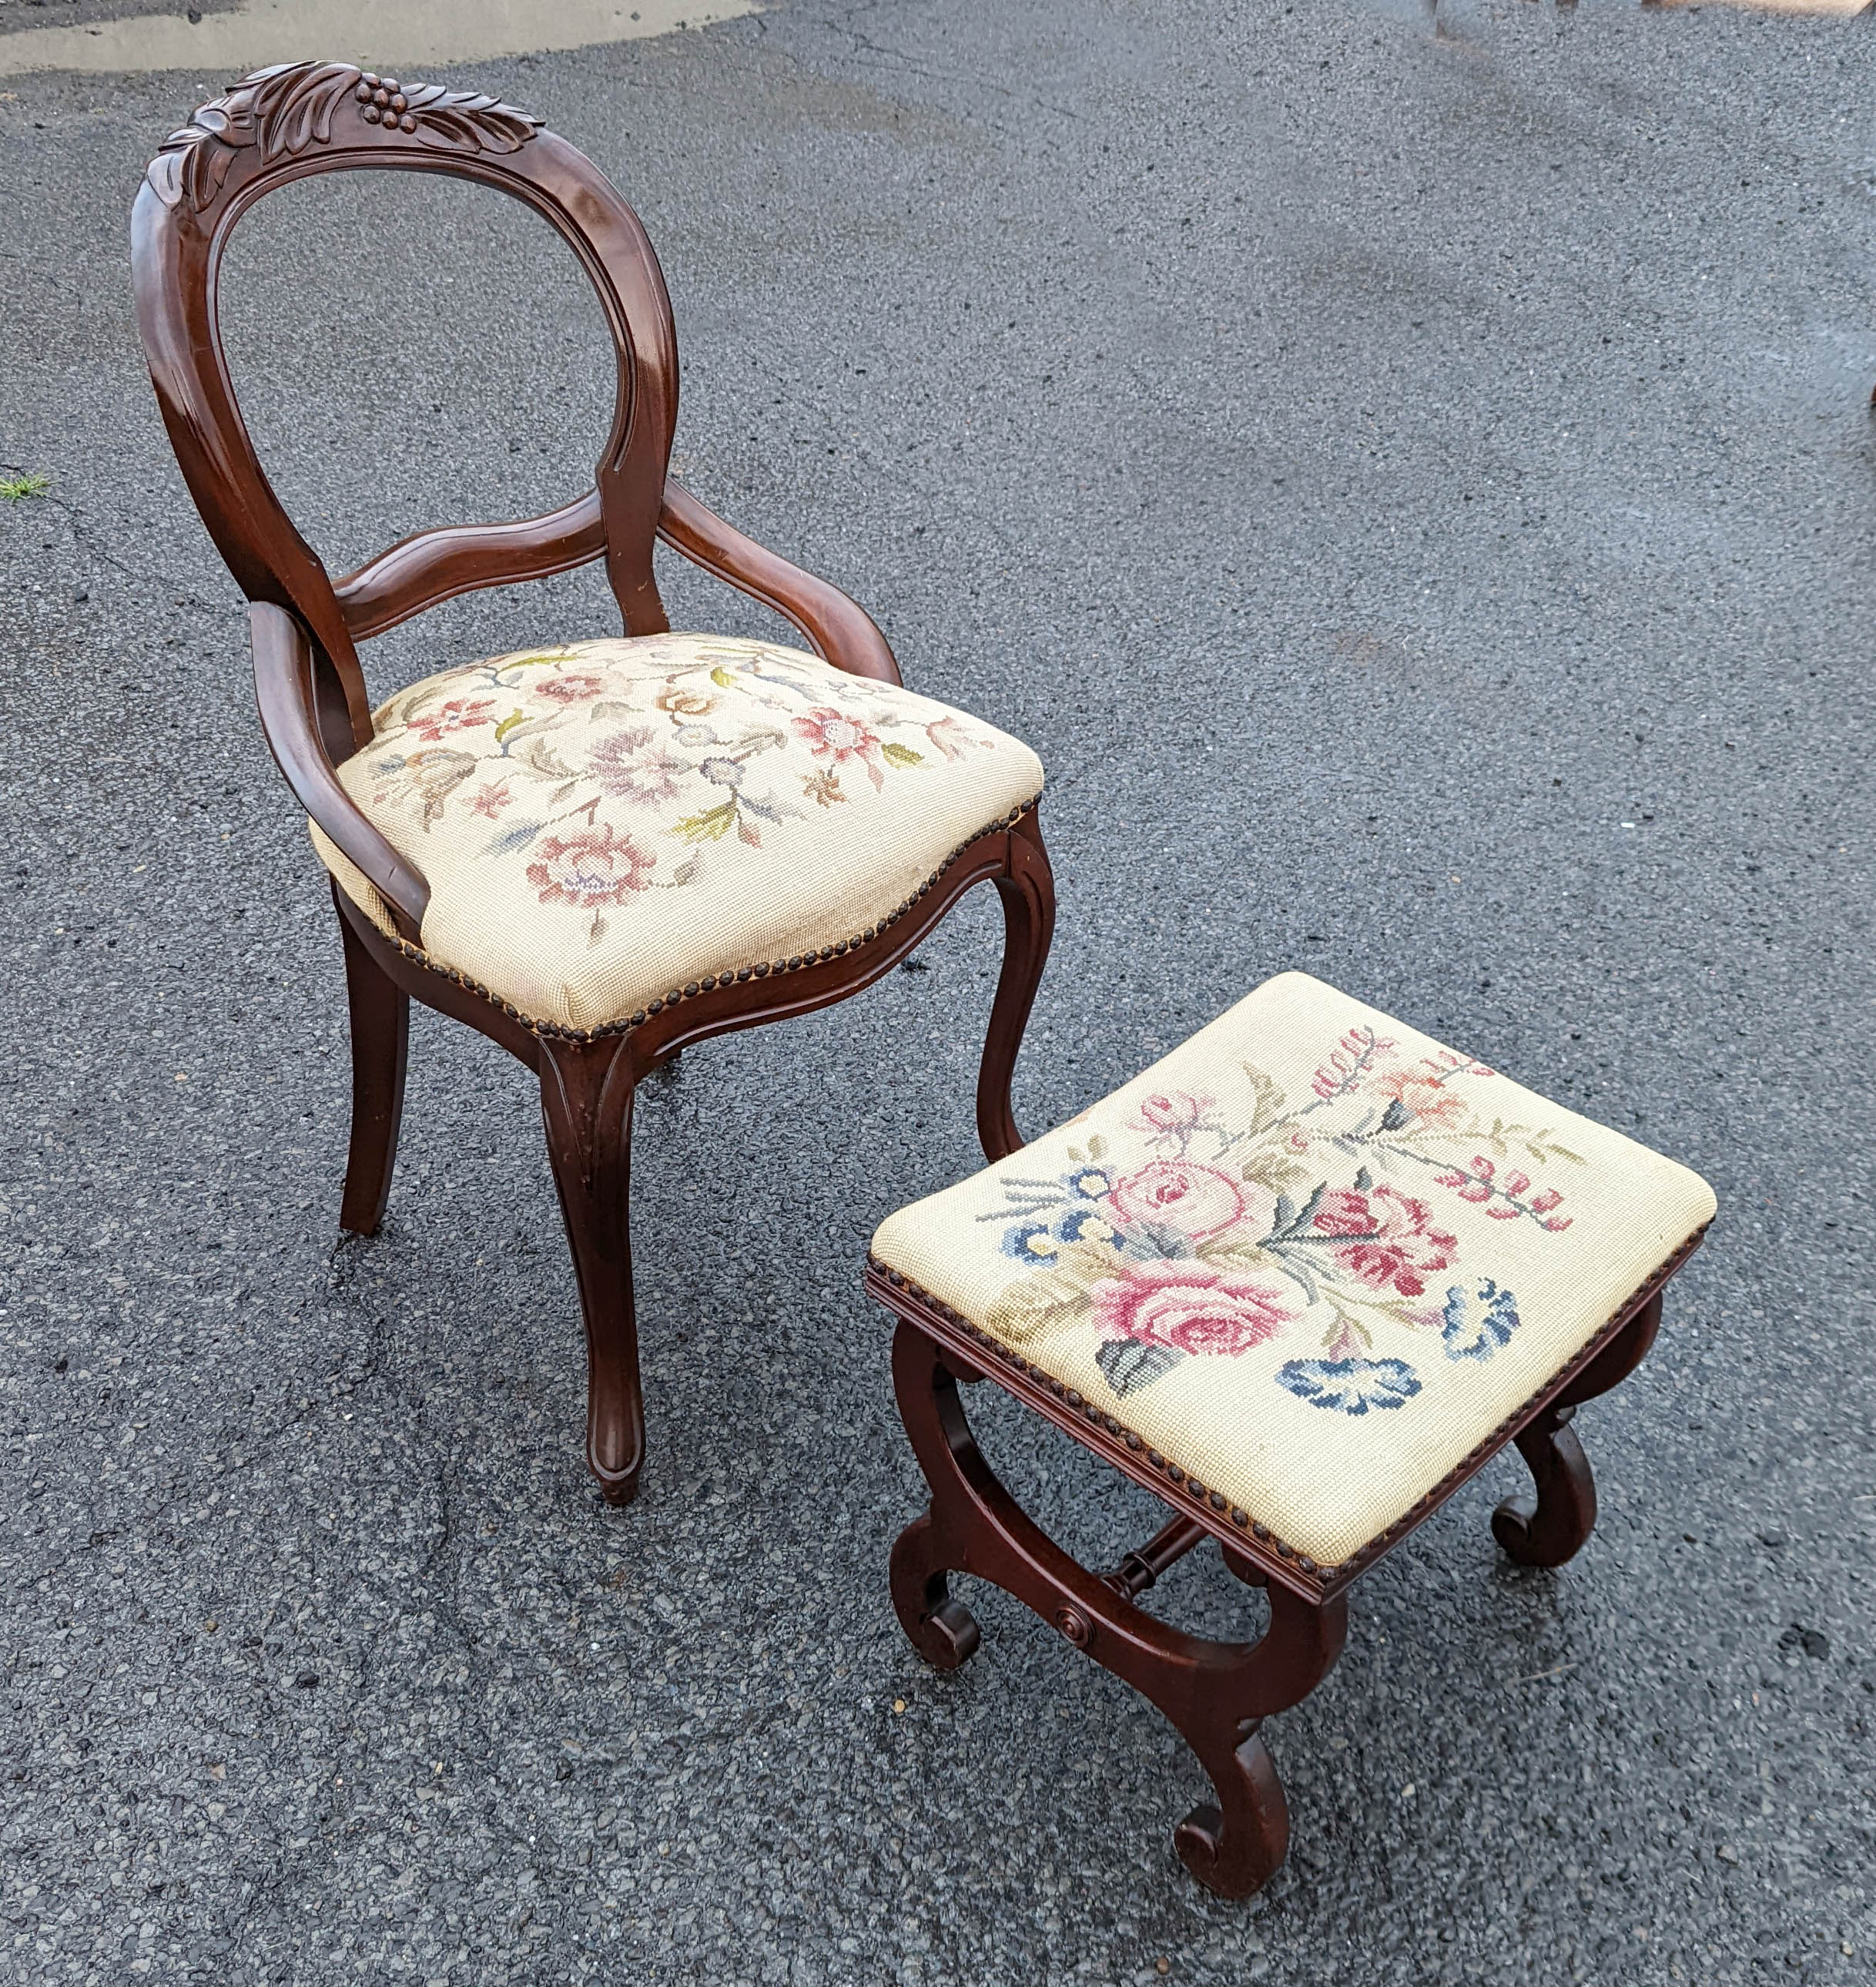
column 1300, row 1280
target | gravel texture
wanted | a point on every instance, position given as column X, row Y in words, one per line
column 1414, row 487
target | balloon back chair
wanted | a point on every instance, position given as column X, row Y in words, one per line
column 596, row 852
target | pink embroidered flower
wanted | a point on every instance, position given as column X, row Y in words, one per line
column 1190, row 1307
column 1390, row 1241
column 1197, row 1200
column 1475, row 1184
column 458, row 714
column 1354, row 1058
column 600, row 867
column 832, row 734
column 1174, row 1116
column 637, row 765
column 1421, row 1092
column 570, row 686
column 490, row 800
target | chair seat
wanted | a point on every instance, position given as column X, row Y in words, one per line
column 1313, row 1258
column 601, row 824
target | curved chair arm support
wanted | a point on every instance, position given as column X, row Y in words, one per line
column 840, row 630
column 283, row 688
column 417, row 572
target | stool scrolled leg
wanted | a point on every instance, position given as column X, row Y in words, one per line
column 1553, row 1529
column 1236, row 1846
column 942, row 1629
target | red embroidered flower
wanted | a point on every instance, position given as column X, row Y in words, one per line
column 490, row 800
column 1190, row 1307
column 602, row 867
column 832, row 734
column 1389, row 1240
column 458, row 714
column 1197, row 1200
column 570, row 686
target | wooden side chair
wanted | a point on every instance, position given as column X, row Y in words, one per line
column 595, row 852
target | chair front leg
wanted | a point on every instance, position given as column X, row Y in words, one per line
column 380, row 1030
column 1028, row 889
column 586, row 1091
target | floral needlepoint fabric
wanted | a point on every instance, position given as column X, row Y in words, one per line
column 1313, row 1256
column 602, row 823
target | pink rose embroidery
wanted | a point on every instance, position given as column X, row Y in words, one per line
column 1190, row 1307
column 570, row 686
column 603, row 867
column 458, row 714
column 1195, row 1200
column 1175, row 1117
column 832, row 734
column 1390, row 1241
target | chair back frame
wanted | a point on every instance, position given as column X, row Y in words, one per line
column 289, row 122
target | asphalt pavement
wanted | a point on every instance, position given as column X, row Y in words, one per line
column 1412, row 480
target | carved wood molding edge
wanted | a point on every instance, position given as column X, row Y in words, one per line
column 281, row 111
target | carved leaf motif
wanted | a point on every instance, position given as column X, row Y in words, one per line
column 288, row 108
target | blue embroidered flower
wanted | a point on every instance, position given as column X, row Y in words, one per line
column 1088, row 1183
column 1352, row 1386
column 1030, row 1242
column 1493, row 1330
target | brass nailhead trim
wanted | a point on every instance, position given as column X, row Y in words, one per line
column 1334, row 1570
column 760, row 970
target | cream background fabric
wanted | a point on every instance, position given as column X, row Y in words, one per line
column 601, row 823
column 1323, row 1363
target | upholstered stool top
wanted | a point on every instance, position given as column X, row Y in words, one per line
column 602, row 823
column 1313, row 1259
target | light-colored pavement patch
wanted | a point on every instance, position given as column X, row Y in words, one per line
column 389, row 35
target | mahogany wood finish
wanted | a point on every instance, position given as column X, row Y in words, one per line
column 1217, row 1693
column 283, row 124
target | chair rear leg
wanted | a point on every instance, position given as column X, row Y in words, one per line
column 586, row 1104
column 381, row 1019
column 1028, row 892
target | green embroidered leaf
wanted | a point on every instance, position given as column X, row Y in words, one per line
column 711, row 826
column 722, row 678
column 539, row 757
column 902, row 755
column 1267, row 1100
column 1274, row 1169
column 1097, row 1147
column 1127, row 1366
column 508, row 724
column 1037, row 1302
column 540, row 658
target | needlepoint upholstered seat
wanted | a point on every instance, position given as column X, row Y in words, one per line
column 1302, row 1278
column 598, row 853
column 605, row 825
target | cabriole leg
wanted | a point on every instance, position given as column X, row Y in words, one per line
column 1028, row 894
column 586, row 1104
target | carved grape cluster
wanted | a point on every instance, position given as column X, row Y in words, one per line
column 381, row 102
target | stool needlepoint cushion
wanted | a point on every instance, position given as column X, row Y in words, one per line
column 1313, row 1257
column 603, row 823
